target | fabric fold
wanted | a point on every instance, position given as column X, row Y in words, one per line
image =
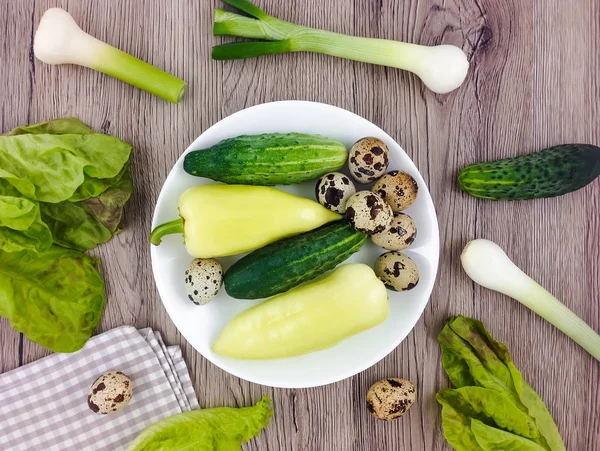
column 43, row 405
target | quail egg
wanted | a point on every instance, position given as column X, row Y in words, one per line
column 368, row 160
column 390, row 398
column 110, row 393
column 333, row 191
column 399, row 235
column 397, row 271
column 203, row 280
column 399, row 189
column 368, row 212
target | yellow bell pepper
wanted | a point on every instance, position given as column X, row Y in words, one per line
column 222, row 220
column 308, row 318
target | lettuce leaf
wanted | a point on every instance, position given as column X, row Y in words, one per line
column 61, row 186
column 89, row 217
column 491, row 407
column 217, row 429
column 86, row 224
column 50, row 168
column 492, row 439
column 91, row 186
column 63, row 126
column 21, row 226
column 473, row 358
column 54, row 297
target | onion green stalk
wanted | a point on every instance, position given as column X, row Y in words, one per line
column 442, row 68
column 59, row 40
column 488, row 265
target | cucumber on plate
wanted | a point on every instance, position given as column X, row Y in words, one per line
column 268, row 159
column 285, row 264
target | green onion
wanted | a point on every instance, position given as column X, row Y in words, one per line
column 442, row 68
column 489, row 266
column 59, row 40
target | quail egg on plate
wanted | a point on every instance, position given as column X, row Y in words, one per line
column 399, row 235
column 203, row 280
column 368, row 212
column 333, row 191
column 399, row 189
column 368, row 159
column 397, row 271
column 390, row 398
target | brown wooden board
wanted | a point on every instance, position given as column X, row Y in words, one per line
column 533, row 83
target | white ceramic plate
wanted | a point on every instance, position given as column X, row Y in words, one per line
column 200, row 325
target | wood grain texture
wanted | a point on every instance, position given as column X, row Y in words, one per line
column 533, row 83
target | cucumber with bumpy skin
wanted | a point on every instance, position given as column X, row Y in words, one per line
column 549, row 173
column 268, row 159
column 285, row 264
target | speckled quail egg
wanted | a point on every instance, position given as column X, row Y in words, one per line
column 399, row 235
column 333, row 191
column 110, row 393
column 368, row 160
column 399, row 189
column 368, row 212
column 203, row 280
column 390, row 398
column 397, row 271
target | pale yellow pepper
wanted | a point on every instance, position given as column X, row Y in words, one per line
column 222, row 220
column 308, row 318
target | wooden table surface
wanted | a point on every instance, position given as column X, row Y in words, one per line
column 533, row 83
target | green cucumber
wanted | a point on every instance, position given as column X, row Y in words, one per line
column 285, row 264
column 269, row 159
column 549, row 173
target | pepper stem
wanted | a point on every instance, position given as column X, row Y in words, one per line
column 168, row 228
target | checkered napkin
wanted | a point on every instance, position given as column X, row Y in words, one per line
column 43, row 405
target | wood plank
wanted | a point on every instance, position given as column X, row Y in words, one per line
column 529, row 87
column 16, row 77
column 565, row 101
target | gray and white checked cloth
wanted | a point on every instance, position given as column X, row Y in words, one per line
column 43, row 405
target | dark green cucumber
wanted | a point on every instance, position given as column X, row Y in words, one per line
column 285, row 264
column 269, row 159
column 549, row 173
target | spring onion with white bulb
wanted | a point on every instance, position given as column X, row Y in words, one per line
column 489, row 266
column 59, row 40
column 442, row 68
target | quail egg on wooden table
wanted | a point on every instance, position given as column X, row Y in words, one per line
column 333, row 191
column 110, row 393
column 399, row 235
column 397, row 271
column 368, row 160
column 203, row 280
column 368, row 212
column 390, row 398
column 399, row 189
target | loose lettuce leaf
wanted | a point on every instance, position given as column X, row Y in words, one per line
column 108, row 206
column 86, row 224
column 54, row 297
column 491, row 407
column 218, row 429
column 90, row 216
column 51, row 168
column 457, row 369
column 457, row 426
column 91, row 186
column 63, row 126
column 492, row 439
column 21, row 226
column 471, row 356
